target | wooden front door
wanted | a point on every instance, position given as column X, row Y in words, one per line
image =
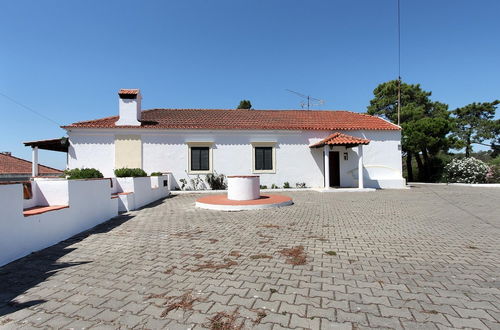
column 334, row 169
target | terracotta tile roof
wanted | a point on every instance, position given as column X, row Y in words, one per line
column 340, row 139
column 13, row 165
column 128, row 91
column 248, row 120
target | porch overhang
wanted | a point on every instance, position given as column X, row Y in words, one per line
column 340, row 139
column 60, row 145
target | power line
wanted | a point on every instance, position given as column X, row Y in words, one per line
column 29, row 109
column 399, row 64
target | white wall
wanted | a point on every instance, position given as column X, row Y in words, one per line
column 89, row 204
column 96, row 151
column 167, row 151
column 144, row 191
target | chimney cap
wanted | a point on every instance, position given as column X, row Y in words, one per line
column 128, row 93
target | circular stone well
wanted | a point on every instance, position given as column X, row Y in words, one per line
column 243, row 194
column 243, row 187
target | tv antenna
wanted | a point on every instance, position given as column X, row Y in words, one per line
column 311, row 101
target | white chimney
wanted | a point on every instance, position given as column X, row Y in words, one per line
column 130, row 107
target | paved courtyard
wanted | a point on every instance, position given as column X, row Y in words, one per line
column 427, row 258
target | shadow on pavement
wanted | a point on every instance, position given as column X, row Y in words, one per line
column 20, row 275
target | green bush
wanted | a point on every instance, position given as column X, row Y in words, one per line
column 156, row 174
column 286, row 185
column 263, row 187
column 216, row 182
column 466, row 170
column 83, row 173
column 273, row 186
column 129, row 172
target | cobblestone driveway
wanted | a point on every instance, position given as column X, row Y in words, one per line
column 421, row 258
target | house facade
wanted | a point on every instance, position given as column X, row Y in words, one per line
column 300, row 147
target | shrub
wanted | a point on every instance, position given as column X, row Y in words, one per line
column 300, row 185
column 83, row 173
column 156, row 174
column 466, row 170
column 263, row 187
column 493, row 175
column 286, row 185
column 216, row 182
column 274, row 186
column 129, row 172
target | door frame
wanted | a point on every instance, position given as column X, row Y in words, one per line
column 332, row 154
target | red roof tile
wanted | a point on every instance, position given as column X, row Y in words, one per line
column 340, row 139
column 128, row 91
column 13, row 165
column 247, row 120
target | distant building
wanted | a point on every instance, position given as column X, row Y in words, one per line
column 17, row 169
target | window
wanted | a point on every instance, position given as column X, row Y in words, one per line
column 200, row 158
column 264, row 157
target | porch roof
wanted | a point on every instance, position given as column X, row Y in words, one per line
column 340, row 139
column 60, row 145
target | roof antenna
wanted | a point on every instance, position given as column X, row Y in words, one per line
column 399, row 65
column 311, row 101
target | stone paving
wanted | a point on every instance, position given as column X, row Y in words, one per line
column 421, row 258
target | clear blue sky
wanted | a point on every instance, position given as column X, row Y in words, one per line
column 67, row 59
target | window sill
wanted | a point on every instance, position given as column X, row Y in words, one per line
column 264, row 171
column 199, row 172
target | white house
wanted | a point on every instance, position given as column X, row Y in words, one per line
column 318, row 148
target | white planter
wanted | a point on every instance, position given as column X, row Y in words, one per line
column 243, row 188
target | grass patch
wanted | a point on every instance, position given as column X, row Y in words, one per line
column 225, row 321
column 432, row 311
column 235, row 254
column 270, row 226
column 331, row 253
column 295, row 255
column 260, row 256
column 260, row 315
column 170, row 270
column 184, row 302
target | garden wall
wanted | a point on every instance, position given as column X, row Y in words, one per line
column 83, row 205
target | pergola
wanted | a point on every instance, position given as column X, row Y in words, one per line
column 348, row 141
column 60, row 145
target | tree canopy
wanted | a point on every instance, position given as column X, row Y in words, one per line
column 475, row 124
column 245, row 104
column 425, row 123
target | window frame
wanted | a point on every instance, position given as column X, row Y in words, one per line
column 208, row 145
column 273, row 155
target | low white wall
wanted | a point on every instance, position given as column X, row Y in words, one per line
column 89, row 204
column 144, row 191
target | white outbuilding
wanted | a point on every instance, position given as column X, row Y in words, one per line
column 284, row 147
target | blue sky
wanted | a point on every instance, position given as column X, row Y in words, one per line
column 67, row 59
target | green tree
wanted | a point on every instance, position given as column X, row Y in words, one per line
column 425, row 124
column 245, row 104
column 475, row 124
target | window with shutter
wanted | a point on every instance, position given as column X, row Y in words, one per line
column 200, row 159
column 263, row 159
